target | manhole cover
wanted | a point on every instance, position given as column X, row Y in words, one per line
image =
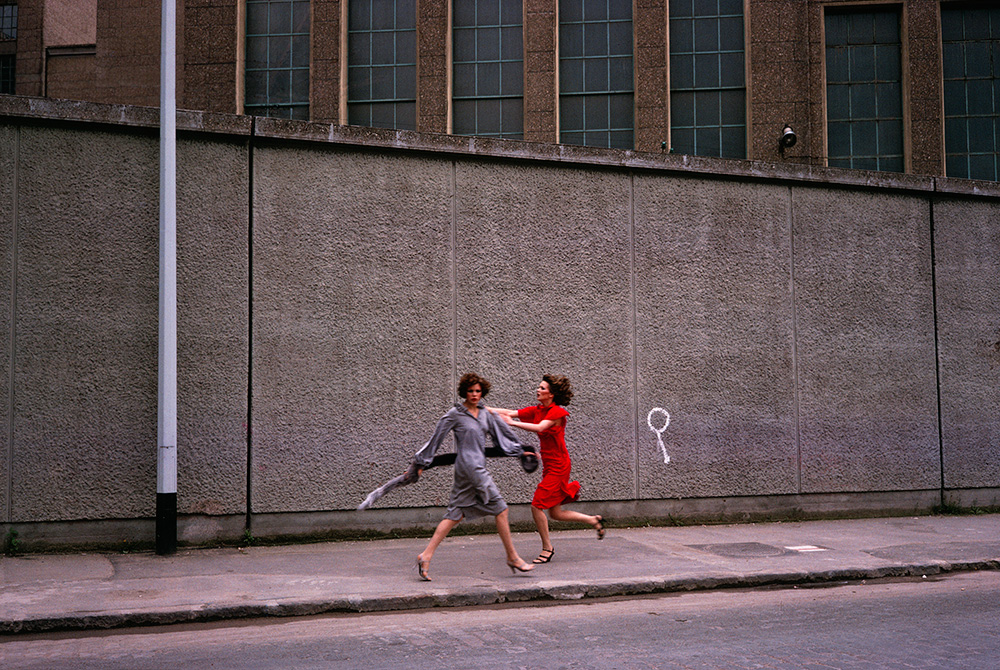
column 742, row 550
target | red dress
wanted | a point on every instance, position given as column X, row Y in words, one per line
column 555, row 487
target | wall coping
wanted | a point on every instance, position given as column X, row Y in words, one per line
column 131, row 116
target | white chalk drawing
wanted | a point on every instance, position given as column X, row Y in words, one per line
column 659, row 431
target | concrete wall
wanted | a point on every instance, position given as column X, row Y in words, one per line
column 822, row 340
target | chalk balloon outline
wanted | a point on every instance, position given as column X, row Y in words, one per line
column 659, row 432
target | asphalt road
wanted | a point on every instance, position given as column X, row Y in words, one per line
column 951, row 623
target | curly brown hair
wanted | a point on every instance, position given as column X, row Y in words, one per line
column 471, row 379
column 562, row 392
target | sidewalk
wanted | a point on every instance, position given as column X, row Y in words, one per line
column 88, row 591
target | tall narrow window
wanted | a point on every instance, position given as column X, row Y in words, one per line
column 382, row 64
column 971, row 41
column 864, row 108
column 707, row 78
column 488, row 96
column 277, row 58
column 596, row 87
column 8, row 47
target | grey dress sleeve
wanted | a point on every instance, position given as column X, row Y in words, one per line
column 426, row 453
column 503, row 436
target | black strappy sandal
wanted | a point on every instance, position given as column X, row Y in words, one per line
column 542, row 558
column 599, row 527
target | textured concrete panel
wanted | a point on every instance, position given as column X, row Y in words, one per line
column 352, row 322
column 213, row 298
column 8, row 156
column 542, row 268
column 967, row 253
column 714, row 330
column 85, row 326
column 865, row 345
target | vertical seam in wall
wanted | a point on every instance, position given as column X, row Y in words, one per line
column 635, row 332
column 454, row 275
column 12, row 342
column 249, row 426
column 795, row 344
column 937, row 348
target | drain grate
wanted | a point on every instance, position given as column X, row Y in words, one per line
column 742, row 550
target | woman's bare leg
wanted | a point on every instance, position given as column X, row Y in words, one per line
column 441, row 532
column 542, row 525
column 560, row 514
column 503, row 530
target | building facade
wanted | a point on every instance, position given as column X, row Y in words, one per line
column 896, row 85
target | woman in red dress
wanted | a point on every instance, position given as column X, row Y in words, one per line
column 548, row 419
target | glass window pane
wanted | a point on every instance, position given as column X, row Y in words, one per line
column 733, row 108
column 359, row 85
column 280, row 18
column 512, row 78
column 864, row 108
column 890, row 138
column 682, row 141
column 595, row 74
column 681, row 72
column 734, row 142
column 862, row 63
column 595, row 39
column 487, row 44
column 731, row 34
column 596, row 113
column 487, row 12
column 863, row 101
column 706, row 71
column 731, row 65
column 300, row 17
column 511, row 12
column 276, row 79
column 406, row 82
column 279, row 51
column 956, row 136
column 406, row 17
column 707, row 110
column 679, row 8
column 383, row 28
column 383, row 15
column 682, row 110
column 681, row 35
column 706, row 35
column 595, row 10
column 256, row 18
column 712, row 121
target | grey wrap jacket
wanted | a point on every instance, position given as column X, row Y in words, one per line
column 473, row 493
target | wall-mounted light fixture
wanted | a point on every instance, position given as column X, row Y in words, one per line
column 788, row 138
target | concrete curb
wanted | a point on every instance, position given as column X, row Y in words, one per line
column 484, row 596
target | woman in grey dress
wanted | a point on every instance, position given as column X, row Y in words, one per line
column 473, row 494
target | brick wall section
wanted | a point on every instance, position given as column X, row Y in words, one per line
column 213, row 58
column 325, row 83
column 128, row 52
column 651, row 115
column 778, row 86
column 541, row 90
column 28, row 69
column 433, row 56
column 923, row 35
column 70, row 77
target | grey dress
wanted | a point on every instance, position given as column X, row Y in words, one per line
column 473, row 494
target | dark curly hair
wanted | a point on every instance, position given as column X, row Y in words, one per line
column 560, row 388
column 471, row 379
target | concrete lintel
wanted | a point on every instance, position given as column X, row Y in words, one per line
column 131, row 116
